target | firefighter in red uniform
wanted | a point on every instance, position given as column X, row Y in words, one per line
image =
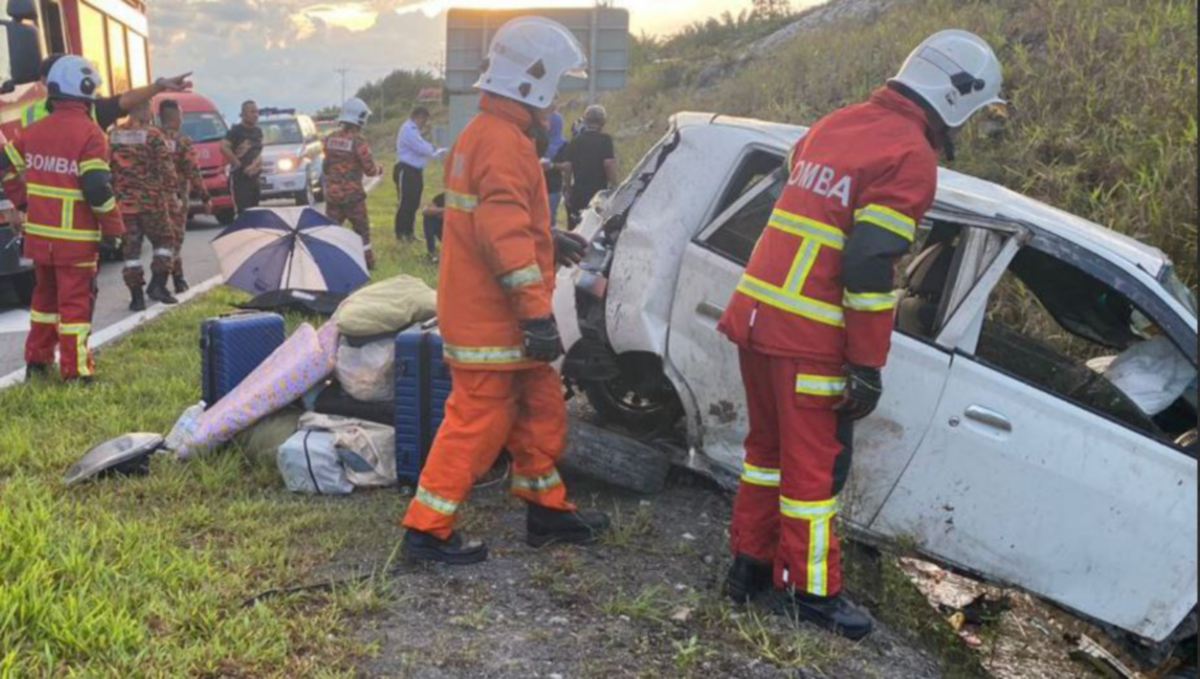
column 812, row 316
column 68, row 199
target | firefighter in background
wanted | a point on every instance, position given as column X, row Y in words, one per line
column 812, row 316
column 146, row 186
column 347, row 160
column 497, row 278
column 187, row 179
column 67, row 195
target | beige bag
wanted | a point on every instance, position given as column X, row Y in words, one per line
column 386, row 307
column 373, row 443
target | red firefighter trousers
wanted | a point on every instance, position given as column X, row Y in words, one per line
column 797, row 456
column 522, row 411
column 61, row 317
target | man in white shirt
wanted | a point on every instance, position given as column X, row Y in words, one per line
column 413, row 153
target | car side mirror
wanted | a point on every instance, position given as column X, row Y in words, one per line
column 24, row 52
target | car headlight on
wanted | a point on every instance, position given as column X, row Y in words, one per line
column 286, row 164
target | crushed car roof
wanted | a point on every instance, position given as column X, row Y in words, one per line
column 969, row 193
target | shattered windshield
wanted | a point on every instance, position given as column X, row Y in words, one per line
column 1178, row 289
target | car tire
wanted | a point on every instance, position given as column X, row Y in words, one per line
column 225, row 217
column 645, row 413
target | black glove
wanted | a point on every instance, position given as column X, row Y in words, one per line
column 568, row 247
column 863, row 389
column 542, row 342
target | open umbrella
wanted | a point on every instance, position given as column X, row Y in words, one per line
column 269, row 249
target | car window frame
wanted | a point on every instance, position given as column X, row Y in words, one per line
column 710, row 214
column 712, row 226
column 960, row 334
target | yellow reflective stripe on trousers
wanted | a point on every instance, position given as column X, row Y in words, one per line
column 520, row 278
column 819, row 515
column 537, row 484
column 888, row 219
column 42, row 317
column 820, row 385
column 804, row 227
column 80, row 331
column 869, row 301
column 800, row 305
column 484, row 355
column 14, row 157
column 760, row 476
column 94, row 164
column 464, row 202
column 436, row 502
column 59, row 233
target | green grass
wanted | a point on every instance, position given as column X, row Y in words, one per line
column 146, row 576
column 1103, row 100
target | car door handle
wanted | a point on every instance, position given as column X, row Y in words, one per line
column 709, row 310
column 989, row 417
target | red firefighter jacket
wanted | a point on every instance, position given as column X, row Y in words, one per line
column 497, row 252
column 859, row 182
column 61, row 227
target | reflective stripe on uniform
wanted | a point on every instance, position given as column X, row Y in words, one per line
column 869, row 301
column 795, row 303
column 15, row 157
column 820, row 385
column 760, row 476
column 888, row 219
column 520, row 278
column 164, row 252
column 799, row 225
column 537, row 484
column 43, row 317
column 436, row 502
column 105, row 208
column 94, row 164
column 484, row 355
column 59, row 233
column 80, row 332
column 44, row 191
column 802, row 265
column 464, row 202
column 819, row 515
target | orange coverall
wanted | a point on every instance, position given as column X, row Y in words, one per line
column 497, row 270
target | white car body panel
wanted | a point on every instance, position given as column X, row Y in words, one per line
column 1067, row 505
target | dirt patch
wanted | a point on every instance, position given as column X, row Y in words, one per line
column 643, row 602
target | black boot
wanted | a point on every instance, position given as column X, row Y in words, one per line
column 834, row 613
column 137, row 301
column 181, row 284
column 38, row 370
column 157, row 290
column 747, row 578
column 418, row 546
column 544, row 526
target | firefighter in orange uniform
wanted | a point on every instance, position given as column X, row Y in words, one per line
column 69, row 204
column 496, row 281
column 812, row 317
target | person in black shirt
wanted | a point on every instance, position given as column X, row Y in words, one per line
column 243, row 149
column 591, row 163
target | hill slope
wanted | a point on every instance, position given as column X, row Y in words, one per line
column 1103, row 105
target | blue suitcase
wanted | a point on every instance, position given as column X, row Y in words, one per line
column 422, row 387
column 231, row 347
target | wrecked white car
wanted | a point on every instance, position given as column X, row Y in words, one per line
column 1015, row 449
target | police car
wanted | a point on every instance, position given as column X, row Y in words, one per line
column 292, row 156
column 1038, row 420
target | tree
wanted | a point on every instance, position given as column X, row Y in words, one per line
column 772, row 9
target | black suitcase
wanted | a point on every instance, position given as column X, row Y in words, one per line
column 231, row 347
column 422, row 387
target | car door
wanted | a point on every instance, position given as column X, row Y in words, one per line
column 1026, row 485
column 712, row 265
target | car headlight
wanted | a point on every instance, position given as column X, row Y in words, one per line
column 286, row 164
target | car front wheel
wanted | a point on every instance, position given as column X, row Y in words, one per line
column 646, row 406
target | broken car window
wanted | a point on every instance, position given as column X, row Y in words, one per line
column 735, row 238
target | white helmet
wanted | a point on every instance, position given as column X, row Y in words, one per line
column 73, row 77
column 355, row 111
column 527, row 57
column 956, row 72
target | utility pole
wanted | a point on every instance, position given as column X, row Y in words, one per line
column 343, row 70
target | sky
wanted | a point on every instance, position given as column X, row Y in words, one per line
column 284, row 52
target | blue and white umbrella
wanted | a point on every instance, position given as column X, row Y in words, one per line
column 269, row 249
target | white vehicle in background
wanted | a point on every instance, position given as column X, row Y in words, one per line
column 292, row 155
column 994, row 450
